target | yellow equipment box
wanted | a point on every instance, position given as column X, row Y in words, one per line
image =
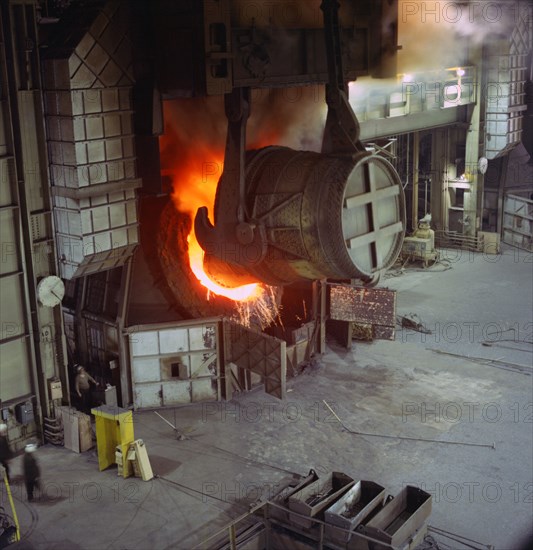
column 114, row 428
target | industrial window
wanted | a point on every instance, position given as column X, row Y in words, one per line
column 103, row 291
column 96, row 344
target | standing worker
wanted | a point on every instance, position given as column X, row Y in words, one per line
column 31, row 469
column 83, row 388
column 5, row 451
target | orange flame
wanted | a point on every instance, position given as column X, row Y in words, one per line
column 192, row 153
column 195, row 186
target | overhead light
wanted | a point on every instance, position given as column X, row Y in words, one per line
column 460, row 72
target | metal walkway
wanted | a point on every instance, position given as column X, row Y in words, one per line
column 417, row 102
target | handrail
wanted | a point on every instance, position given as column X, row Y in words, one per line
column 230, row 527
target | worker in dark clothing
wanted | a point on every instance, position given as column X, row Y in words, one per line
column 5, row 451
column 83, row 388
column 31, row 470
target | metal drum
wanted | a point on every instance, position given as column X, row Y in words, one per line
column 325, row 216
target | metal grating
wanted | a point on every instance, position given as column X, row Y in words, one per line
column 453, row 239
column 101, row 261
column 369, row 307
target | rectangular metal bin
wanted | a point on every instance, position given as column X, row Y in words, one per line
column 313, row 499
column 352, row 509
column 282, row 499
column 401, row 517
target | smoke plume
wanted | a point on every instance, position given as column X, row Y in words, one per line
column 439, row 34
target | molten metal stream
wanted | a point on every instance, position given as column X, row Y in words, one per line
column 193, row 189
column 196, row 261
column 194, row 162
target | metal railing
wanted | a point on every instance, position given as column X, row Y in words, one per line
column 414, row 93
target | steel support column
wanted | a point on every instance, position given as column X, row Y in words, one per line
column 414, row 202
column 319, row 314
column 473, row 146
column 31, row 304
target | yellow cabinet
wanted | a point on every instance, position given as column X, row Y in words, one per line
column 114, row 428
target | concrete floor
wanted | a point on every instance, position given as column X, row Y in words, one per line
column 239, row 451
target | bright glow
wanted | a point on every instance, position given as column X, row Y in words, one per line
column 460, row 72
column 194, row 164
column 196, row 260
column 200, row 191
column 407, row 78
column 195, row 185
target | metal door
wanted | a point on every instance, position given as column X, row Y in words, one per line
column 518, row 222
column 256, row 353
